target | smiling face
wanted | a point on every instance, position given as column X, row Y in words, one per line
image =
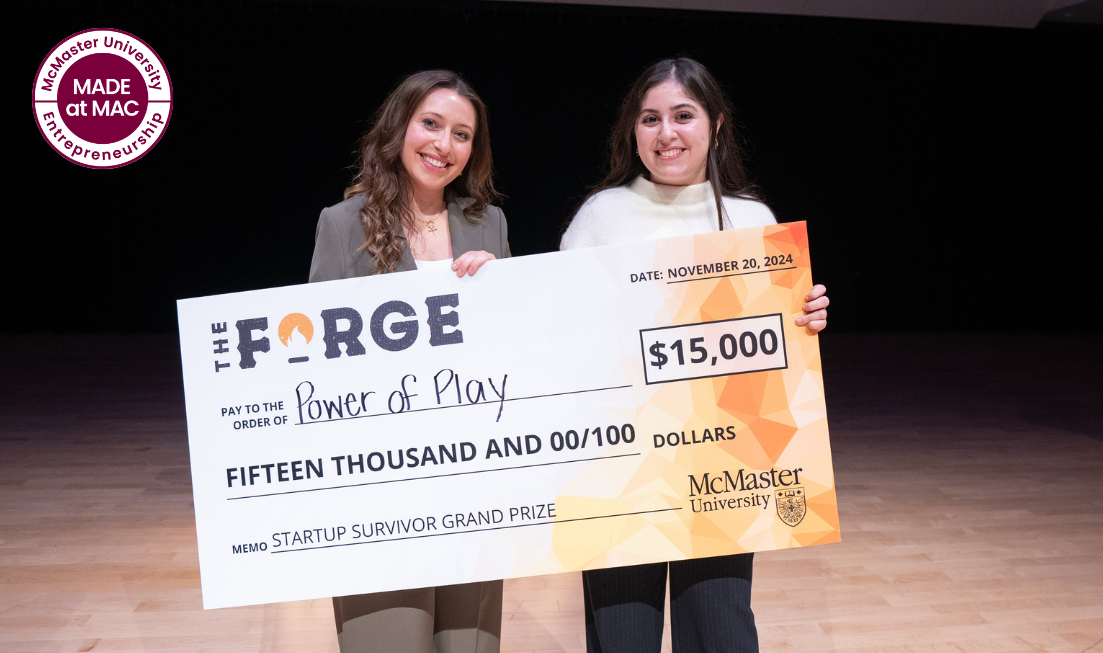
column 438, row 140
column 673, row 135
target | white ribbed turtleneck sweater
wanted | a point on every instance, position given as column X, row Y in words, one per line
column 644, row 210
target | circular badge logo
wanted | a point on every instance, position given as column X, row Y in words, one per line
column 102, row 98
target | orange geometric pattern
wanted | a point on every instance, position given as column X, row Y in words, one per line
column 778, row 417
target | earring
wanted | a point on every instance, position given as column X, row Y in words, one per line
column 637, row 151
column 717, row 142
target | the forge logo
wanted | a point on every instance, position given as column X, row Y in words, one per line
column 392, row 326
column 102, row 98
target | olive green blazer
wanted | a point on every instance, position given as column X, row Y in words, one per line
column 339, row 237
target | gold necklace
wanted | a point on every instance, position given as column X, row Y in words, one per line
column 431, row 225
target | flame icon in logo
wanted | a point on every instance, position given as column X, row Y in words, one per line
column 291, row 323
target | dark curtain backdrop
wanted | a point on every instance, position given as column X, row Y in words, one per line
column 948, row 173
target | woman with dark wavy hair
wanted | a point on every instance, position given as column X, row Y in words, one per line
column 675, row 169
column 420, row 199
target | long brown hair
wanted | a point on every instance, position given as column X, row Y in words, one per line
column 724, row 167
column 383, row 180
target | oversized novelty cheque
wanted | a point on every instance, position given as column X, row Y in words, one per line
column 576, row 410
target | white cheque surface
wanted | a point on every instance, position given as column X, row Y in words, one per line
column 416, row 429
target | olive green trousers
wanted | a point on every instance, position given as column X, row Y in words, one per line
column 451, row 619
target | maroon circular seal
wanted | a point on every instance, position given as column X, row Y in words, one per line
column 102, row 98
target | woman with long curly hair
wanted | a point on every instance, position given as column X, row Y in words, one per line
column 675, row 169
column 420, row 199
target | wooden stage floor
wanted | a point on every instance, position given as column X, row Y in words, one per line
column 969, row 479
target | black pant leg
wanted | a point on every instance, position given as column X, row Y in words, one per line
column 624, row 608
column 710, row 605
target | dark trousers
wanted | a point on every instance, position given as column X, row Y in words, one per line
column 710, row 607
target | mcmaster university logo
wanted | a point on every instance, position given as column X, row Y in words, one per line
column 791, row 506
column 711, row 492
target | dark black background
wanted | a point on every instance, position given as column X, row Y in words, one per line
column 948, row 173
